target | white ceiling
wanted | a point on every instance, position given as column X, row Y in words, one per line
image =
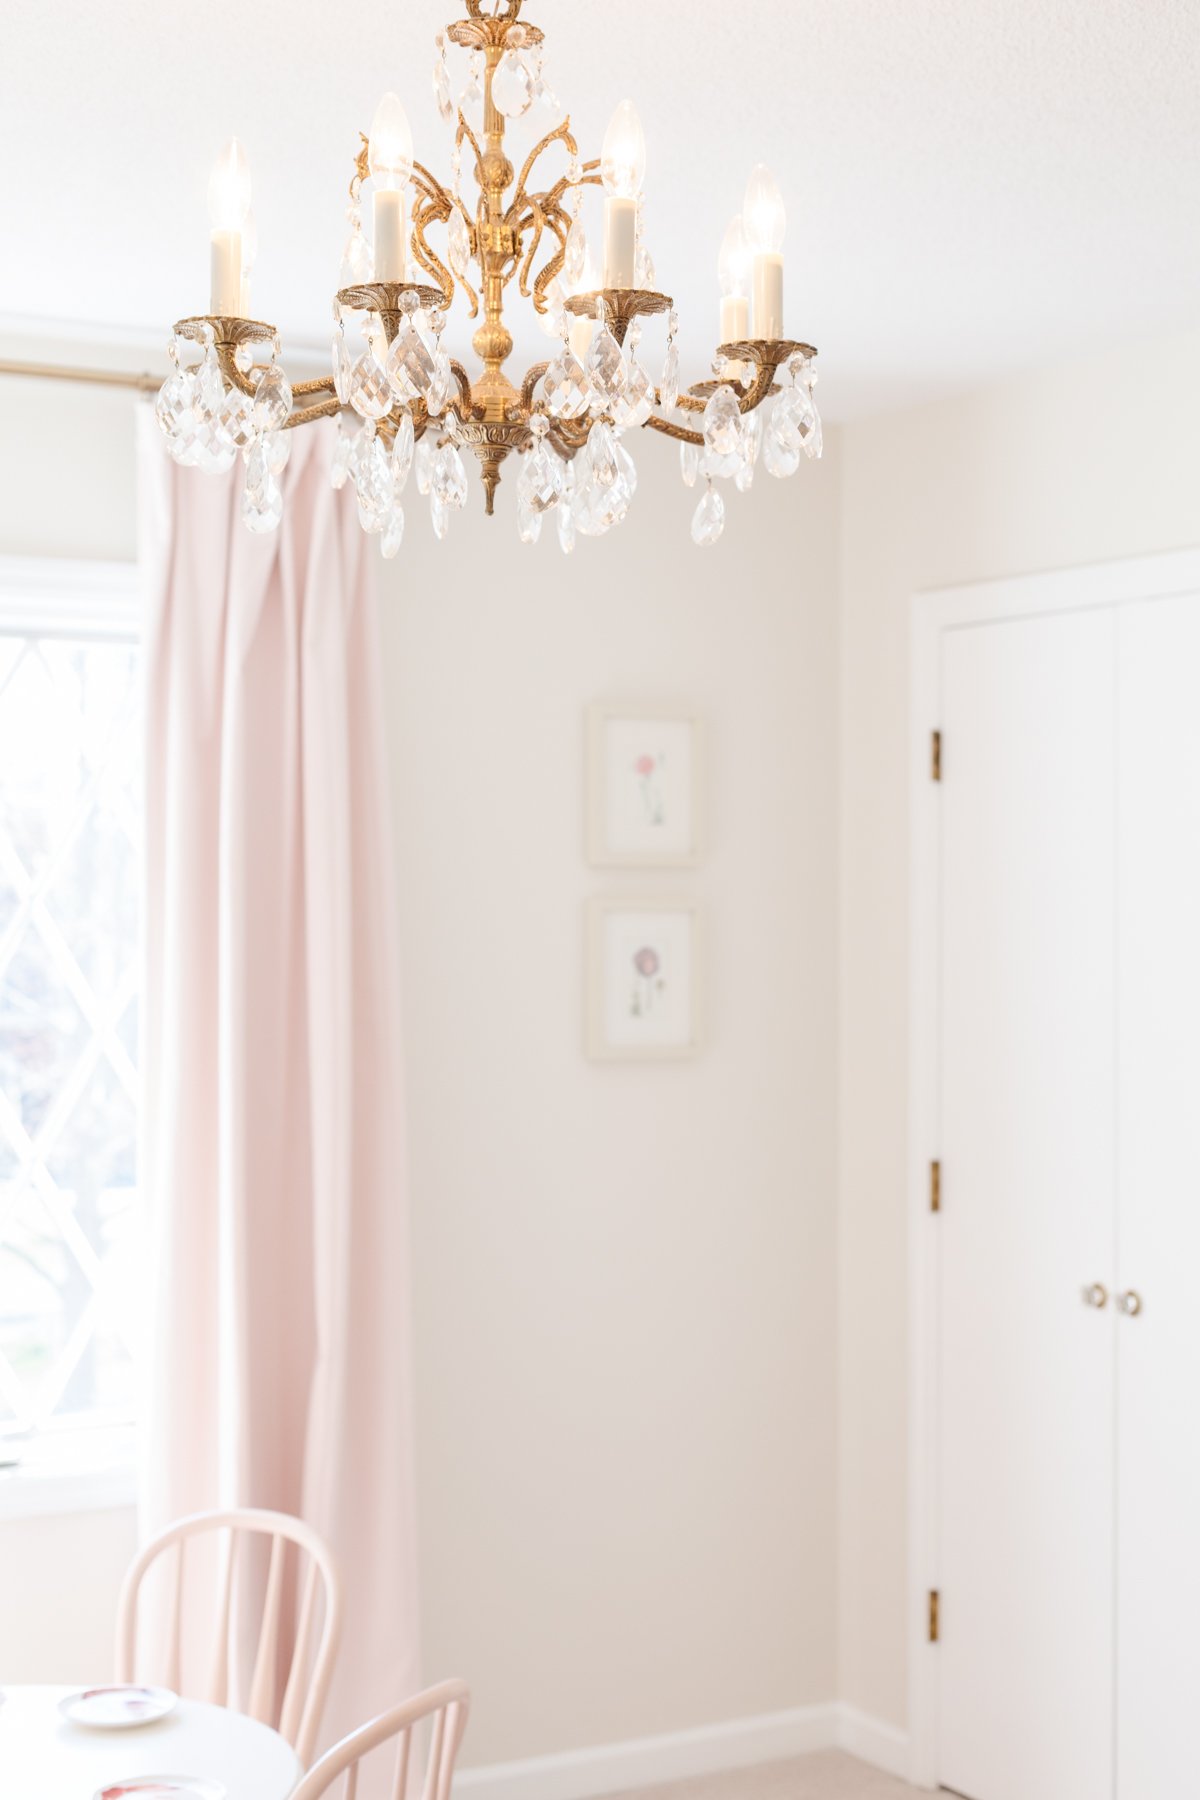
column 973, row 186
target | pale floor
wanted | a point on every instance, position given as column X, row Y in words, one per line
column 828, row 1776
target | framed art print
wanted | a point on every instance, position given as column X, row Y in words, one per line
column 644, row 787
column 643, row 978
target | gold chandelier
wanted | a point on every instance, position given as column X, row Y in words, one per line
column 569, row 417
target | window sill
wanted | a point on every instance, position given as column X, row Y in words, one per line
column 81, row 1471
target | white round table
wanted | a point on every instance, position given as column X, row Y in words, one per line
column 44, row 1757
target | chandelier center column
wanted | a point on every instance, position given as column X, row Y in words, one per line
column 493, row 340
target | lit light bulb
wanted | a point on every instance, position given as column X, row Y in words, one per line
column 623, row 158
column 764, row 216
column 229, row 189
column 249, row 242
column 735, row 261
column 390, row 149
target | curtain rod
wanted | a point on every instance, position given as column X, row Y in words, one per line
column 120, row 378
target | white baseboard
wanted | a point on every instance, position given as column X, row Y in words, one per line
column 883, row 1746
column 681, row 1755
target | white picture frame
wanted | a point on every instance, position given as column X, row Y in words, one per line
column 644, row 990
column 645, row 784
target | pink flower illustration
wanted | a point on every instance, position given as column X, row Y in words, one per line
column 647, row 768
column 646, row 962
column 644, row 765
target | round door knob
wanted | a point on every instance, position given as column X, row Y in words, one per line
column 1130, row 1303
column 1096, row 1295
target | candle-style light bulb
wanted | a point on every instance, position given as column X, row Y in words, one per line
column 623, row 156
column 228, row 209
column 765, row 219
column 390, row 159
column 623, row 168
column 390, row 147
column 764, row 215
column 583, row 328
column 734, row 269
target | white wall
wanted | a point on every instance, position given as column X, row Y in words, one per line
column 1066, row 466
column 625, row 1280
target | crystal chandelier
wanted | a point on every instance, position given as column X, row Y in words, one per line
column 406, row 407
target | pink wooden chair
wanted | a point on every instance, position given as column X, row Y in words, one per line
column 445, row 1707
column 298, row 1715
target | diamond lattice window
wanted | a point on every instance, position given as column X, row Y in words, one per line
column 69, row 969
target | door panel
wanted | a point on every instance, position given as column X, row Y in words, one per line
column 1158, row 1357
column 1028, row 1209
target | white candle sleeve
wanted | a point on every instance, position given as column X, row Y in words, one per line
column 391, row 263
column 620, row 241
column 226, row 290
column 768, row 296
column 735, row 319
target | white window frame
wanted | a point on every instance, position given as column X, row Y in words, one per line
column 82, row 1468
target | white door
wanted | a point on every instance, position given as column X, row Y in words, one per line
column 1158, row 1350
column 1026, row 1529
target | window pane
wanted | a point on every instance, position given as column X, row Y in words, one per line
column 69, row 959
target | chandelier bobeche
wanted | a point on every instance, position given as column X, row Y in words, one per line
column 570, row 420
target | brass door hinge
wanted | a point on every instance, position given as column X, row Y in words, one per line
column 934, row 1601
column 935, row 1187
column 935, row 769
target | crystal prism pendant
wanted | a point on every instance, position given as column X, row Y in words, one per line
column 780, row 448
column 689, row 463
column 448, row 477
column 392, row 530
column 342, row 366
column 668, row 387
column 278, row 447
column 602, row 453
column 723, row 422
column 635, row 403
column 262, row 497
column 175, row 411
column 402, row 451
column 512, row 85
column 439, row 388
column 370, row 395
column 529, row 520
column 566, row 390
column 439, row 513
column 709, row 520
column 237, row 419
column 541, row 482
column 410, row 364
column 272, row 403
column 574, row 253
column 606, row 368
column 339, row 467
column 358, row 264
column 459, row 242
column 566, row 527
column 441, row 88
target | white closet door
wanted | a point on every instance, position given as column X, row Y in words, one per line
column 1028, row 1176
column 1158, row 1354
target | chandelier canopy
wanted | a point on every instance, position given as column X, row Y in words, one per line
column 569, row 420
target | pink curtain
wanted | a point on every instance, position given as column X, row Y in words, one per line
column 274, row 1140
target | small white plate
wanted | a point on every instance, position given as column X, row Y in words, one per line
column 117, row 1708
column 162, row 1787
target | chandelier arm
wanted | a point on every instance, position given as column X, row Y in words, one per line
column 307, row 415
column 433, row 188
column 669, row 428
column 429, row 261
column 464, row 386
column 537, row 224
column 323, row 384
column 532, row 377
column 464, row 131
column 562, row 132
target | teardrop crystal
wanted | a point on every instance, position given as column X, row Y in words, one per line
column 512, row 85
column 566, row 390
column 392, row 530
column 602, row 451
column 574, row 253
column 272, row 400
column 723, row 422
column 668, row 387
column 410, row 364
column 606, row 368
column 358, row 264
column 459, row 242
column 403, row 450
column 370, row 395
column 709, row 520
column 689, row 463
